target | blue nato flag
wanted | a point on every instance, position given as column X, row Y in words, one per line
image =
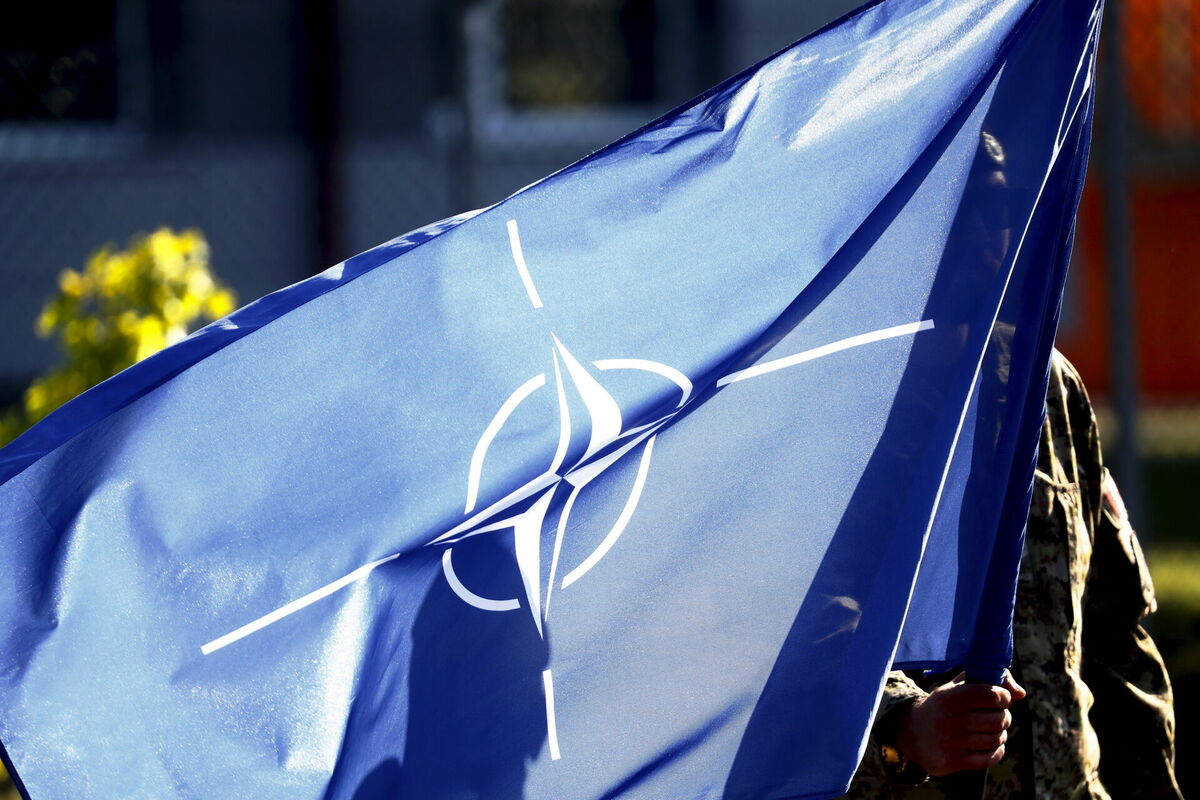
column 634, row 484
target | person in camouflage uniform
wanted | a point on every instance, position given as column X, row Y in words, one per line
column 1095, row 681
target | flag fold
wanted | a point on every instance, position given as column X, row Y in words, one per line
column 631, row 485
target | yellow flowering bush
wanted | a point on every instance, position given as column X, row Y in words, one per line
column 122, row 307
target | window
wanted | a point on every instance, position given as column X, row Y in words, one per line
column 59, row 63
column 564, row 53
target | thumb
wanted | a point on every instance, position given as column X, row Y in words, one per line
column 1014, row 688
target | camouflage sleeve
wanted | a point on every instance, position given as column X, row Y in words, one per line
column 876, row 775
column 899, row 693
column 1078, row 424
column 1133, row 712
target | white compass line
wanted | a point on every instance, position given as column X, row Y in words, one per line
column 564, row 418
column 294, row 606
column 514, row 242
column 559, row 532
column 469, row 597
column 827, row 349
column 548, row 479
column 543, row 481
column 670, row 373
column 626, row 514
column 603, row 410
column 506, row 410
column 551, row 723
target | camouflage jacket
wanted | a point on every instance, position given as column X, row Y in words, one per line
column 1096, row 682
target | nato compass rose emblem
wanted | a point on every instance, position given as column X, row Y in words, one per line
column 608, row 443
column 527, row 511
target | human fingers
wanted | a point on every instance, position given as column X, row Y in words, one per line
column 988, row 721
column 984, row 742
column 971, row 696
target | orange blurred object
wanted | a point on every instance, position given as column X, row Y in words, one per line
column 1162, row 57
column 1167, row 285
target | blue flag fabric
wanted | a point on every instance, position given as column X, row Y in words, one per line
column 632, row 485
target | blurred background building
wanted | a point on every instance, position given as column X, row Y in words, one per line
column 296, row 133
